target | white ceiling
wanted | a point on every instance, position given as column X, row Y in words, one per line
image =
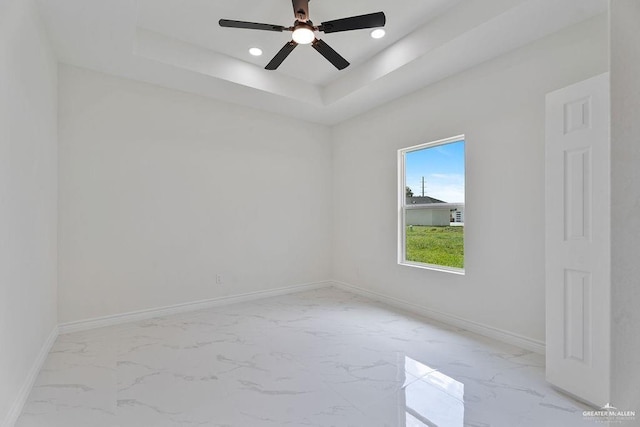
column 178, row 44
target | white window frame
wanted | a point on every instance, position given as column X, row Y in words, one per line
column 402, row 185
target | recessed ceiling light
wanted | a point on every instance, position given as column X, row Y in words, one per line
column 378, row 33
column 255, row 51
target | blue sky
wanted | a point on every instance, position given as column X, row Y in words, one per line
column 443, row 170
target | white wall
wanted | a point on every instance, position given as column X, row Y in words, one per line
column 499, row 106
column 625, row 210
column 28, row 195
column 162, row 190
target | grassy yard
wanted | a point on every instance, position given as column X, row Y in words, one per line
column 436, row 245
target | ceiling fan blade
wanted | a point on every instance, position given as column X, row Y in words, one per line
column 250, row 25
column 331, row 55
column 372, row 20
column 281, row 56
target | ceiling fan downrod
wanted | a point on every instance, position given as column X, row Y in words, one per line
column 301, row 10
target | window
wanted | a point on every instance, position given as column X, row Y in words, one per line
column 431, row 205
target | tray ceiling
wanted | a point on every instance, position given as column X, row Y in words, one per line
column 178, row 44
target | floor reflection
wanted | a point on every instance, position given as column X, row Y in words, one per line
column 434, row 399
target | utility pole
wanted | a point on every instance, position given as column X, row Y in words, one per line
column 423, row 186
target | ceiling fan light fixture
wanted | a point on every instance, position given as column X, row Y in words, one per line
column 378, row 33
column 255, row 51
column 303, row 35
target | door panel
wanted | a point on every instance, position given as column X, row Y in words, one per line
column 577, row 234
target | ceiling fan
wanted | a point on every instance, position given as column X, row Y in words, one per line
column 303, row 32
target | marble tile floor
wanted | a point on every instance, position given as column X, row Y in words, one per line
column 318, row 358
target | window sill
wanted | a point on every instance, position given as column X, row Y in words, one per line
column 433, row 267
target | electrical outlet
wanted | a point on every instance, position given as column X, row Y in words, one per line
column 219, row 280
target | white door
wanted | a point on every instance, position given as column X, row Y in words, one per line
column 578, row 239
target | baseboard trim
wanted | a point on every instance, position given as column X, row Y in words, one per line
column 27, row 385
column 134, row 316
column 475, row 327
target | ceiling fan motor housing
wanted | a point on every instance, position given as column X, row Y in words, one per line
column 301, row 10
